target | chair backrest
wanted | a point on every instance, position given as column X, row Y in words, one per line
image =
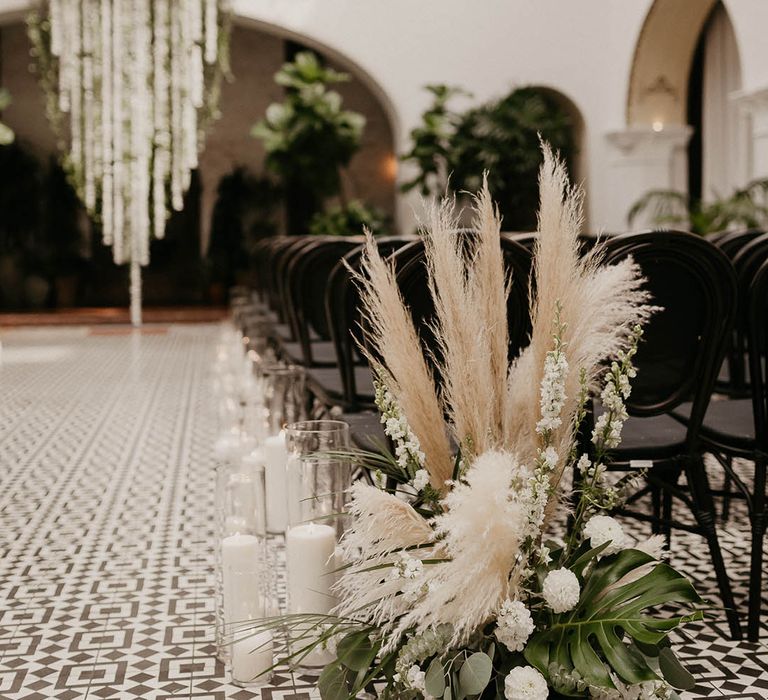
column 746, row 262
column 343, row 309
column 758, row 354
column 307, row 280
column 282, row 262
column 683, row 344
column 732, row 241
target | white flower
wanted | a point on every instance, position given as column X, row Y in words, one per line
column 552, row 391
column 561, row 590
column 525, row 683
column 415, row 678
column 603, row 528
column 513, row 625
column 550, row 457
column 407, row 567
column 420, row 479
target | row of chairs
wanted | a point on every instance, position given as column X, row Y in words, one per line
column 714, row 297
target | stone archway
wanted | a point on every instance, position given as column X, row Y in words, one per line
column 658, row 83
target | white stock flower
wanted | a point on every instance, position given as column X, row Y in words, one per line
column 561, row 590
column 406, row 567
column 525, row 683
column 603, row 528
column 552, row 391
column 420, row 479
column 415, row 678
column 513, row 625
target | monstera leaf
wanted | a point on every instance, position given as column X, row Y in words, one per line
column 608, row 627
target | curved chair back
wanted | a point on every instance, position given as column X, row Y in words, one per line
column 282, row 261
column 733, row 241
column 683, row 344
column 757, row 315
column 343, row 308
column 307, row 279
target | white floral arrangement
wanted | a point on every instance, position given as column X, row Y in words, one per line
column 461, row 578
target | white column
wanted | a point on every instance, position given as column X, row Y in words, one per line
column 135, row 293
column 753, row 106
column 643, row 158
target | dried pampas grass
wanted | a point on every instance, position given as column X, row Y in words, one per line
column 598, row 307
column 409, row 379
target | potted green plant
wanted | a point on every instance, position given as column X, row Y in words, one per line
column 309, row 137
column 244, row 213
column 501, row 138
column 744, row 208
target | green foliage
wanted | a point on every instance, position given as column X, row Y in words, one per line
column 6, row 133
column 501, row 137
column 745, row 208
column 610, row 621
column 244, row 213
column 309, row 137
column 349, row 220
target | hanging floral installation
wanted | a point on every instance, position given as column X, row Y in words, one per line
column 130, row 88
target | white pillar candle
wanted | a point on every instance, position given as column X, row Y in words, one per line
column 241, row 573
column 311, row 562
column 251, row 658
column 275, row 456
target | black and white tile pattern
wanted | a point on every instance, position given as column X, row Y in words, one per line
column 106, row 539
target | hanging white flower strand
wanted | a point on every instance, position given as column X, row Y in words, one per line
column 131, row 76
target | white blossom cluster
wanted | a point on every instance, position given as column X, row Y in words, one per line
column 617, row 388
column 561, row 590
column 514, row 625
column 552, row 391
column 407, row 567
column 407, row 446
column 525, row 683
column 600, row 529
column 131, row 77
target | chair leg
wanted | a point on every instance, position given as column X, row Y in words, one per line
column 656, row 505
column 726, row 512
column 666, row 516
column 757, row 518
column 704, row 512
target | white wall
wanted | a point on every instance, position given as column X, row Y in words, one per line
column 583, row 49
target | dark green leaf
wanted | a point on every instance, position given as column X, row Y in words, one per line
column 610, row 620
column 673, row 671
column 475, row 673
column 333, row 683
column 355, row 651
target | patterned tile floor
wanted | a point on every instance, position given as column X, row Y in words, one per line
column 106, row 486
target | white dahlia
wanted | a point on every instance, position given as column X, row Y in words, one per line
column 601, row 529
column 525, row 683
column 561, row 590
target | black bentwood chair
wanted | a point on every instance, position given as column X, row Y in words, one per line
column 736, row 428
column 677, row 361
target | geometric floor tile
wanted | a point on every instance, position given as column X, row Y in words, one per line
column 106, row 514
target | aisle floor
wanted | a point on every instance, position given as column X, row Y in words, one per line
column 106, row 499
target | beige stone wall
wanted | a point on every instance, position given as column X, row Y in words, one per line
column 255, row 58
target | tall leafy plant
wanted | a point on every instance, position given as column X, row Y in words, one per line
column 745, row 208
column 309, row 137
column 501, row 137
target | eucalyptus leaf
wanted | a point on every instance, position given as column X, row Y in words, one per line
column 475, row 673
column 673, row 671
column 610, row 617
column 434, row 679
